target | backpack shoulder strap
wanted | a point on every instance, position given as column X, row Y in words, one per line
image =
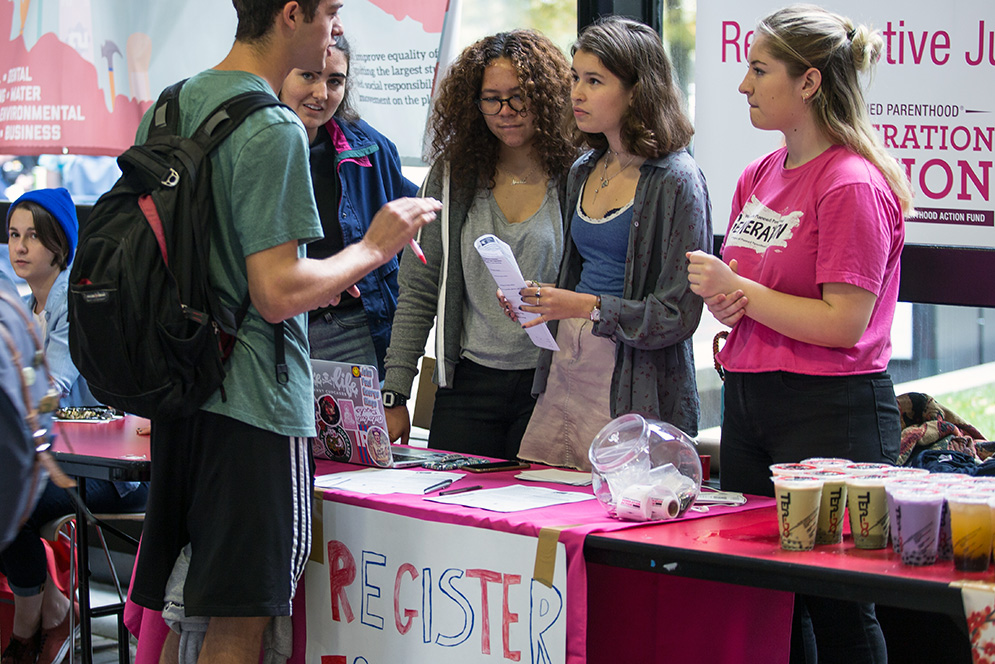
column 224, row 119
column 217, row 127
column 166, row 117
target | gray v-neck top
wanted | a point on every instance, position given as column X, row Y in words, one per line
column 489, row 337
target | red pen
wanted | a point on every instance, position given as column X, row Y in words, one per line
column 418, row 251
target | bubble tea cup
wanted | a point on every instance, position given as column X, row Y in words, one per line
column 917, row 526
column 945, row 482
column 868, row 505
column 970, row 530
column 894, row 518
column 798, row 501
column 833, row 507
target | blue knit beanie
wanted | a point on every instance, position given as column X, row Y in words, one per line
column 60, row 205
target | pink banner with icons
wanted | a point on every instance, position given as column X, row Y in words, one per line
column 76, row 76
column 50, row 97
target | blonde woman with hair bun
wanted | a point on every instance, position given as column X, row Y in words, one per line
column 808, row 281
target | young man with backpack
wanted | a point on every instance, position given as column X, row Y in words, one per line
column 234, row 480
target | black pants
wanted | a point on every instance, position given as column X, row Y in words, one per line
column 780, row 417
column 23, row 561
column 485, row 412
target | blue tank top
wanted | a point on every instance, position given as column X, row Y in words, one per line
column 602, row 244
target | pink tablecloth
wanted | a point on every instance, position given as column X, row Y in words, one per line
column 581, row 519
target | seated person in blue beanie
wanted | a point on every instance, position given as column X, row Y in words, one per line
column 42, row 231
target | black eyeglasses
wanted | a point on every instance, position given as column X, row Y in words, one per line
column 493, row 105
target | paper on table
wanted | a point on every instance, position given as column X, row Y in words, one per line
column 556, row 476
column 504, row 268
column 514, row 498
column 382, row 481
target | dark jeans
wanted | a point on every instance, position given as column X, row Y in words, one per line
column 832, row 631
column 23, row 562
column 342, row 336
column 485, row 412
column 780, row 417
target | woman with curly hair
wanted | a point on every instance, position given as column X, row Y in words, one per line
column 500, row 151
column 637, row 203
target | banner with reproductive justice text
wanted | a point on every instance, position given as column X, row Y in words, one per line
column 931, row 100
column 77, row 75
column 392, row 588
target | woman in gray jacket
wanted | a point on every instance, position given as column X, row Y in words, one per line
column 500, row 152
column 637, row 203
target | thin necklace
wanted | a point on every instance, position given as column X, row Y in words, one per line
column 605, row 179
column 523, row 180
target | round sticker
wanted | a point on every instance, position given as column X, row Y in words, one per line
column 328, row 410
column 337, row 443
column 378, row 443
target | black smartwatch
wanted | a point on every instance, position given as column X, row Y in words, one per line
column 393, row 399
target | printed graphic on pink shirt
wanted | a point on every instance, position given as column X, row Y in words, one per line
column 759, row 228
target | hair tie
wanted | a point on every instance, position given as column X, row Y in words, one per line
column 851, row 34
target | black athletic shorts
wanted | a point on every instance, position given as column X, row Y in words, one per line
column 241, row 496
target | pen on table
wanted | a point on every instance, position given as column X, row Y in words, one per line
column 439, row 485
column 418, row 252
column 463, row 489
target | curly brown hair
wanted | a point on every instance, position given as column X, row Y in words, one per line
column 457, row 128
column 655, row 123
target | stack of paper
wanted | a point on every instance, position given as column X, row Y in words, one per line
column 556, row 476
column 513, row 498
column 382, row 481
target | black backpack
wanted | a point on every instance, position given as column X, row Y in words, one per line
column 146, row 329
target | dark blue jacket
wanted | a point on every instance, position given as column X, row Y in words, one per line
column 369, row 170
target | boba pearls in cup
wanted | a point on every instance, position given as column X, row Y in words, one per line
column 891, row 486
column 971, row 529
column 833, row 506
column 917, row 525
column 868, row 507
column 798, row 502
column 946, row 482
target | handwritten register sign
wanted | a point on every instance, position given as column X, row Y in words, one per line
column 400, row 589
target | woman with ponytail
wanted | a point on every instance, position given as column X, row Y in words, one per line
column 808, row 281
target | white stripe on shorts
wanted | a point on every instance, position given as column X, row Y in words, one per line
column 301, row 547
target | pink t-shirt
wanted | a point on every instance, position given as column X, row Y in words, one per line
column 831, row 220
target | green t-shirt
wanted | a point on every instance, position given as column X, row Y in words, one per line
column 263, row 196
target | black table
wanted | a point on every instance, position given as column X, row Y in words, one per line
column 743, row 549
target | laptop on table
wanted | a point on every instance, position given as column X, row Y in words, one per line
column 350, row 420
